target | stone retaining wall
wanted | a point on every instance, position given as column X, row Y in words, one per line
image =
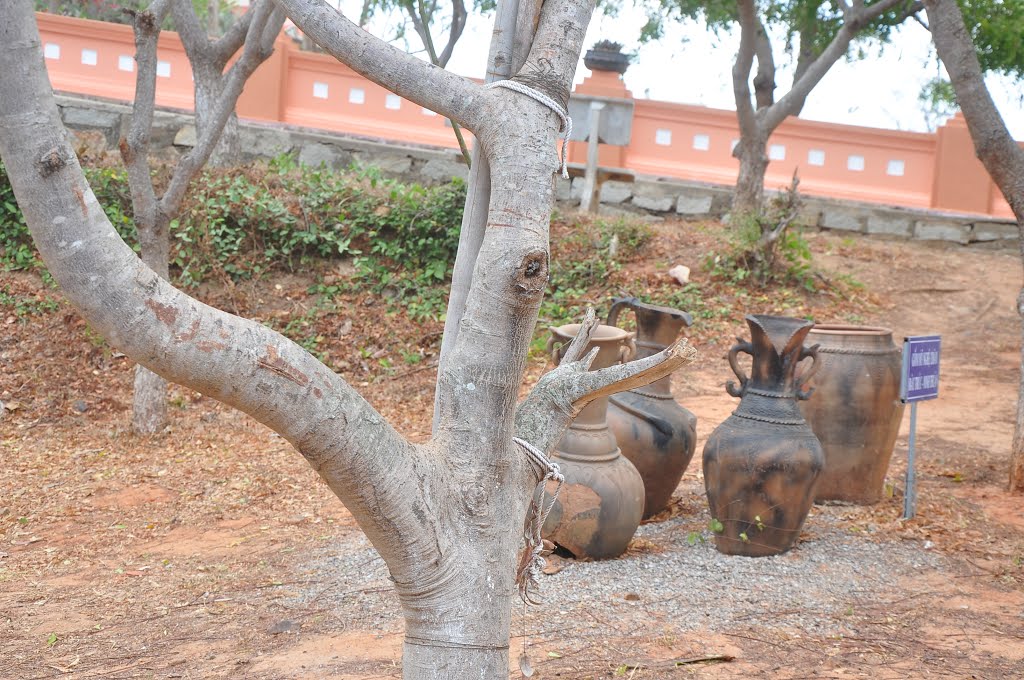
column 174, row 132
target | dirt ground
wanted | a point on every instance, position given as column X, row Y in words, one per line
column 185, row 555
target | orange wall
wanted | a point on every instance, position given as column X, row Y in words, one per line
column 911, row 169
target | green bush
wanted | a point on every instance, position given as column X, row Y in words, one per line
column 243, row 222
column 768, row 247
column 16, row 249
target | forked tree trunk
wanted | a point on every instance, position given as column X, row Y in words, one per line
column 752, row 152
column 996, row 149
column 759, row 113
column 447, row 516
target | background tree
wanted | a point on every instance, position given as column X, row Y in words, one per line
column 817, row 33
column 997, row 150
column 426, row 16
column 446, row 516
column 216, row 94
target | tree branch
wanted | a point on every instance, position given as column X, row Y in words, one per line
column 237, row 361
column 747, row 15
column 253, row 54
column 764, row 81
column 855, row 18
column 563, row 392
column 225, row 47
column 418, row 81
column 193, row 35
column 421, row 22
column 459, row 15
column 134, row 146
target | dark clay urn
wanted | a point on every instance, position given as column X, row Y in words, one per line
column 762, row 463
column 653, row 431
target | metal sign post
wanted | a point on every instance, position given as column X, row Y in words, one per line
column 919, row 382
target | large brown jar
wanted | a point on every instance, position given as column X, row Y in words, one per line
column 761, row 464
column 600, row 506
column 653, row 431
column 855, row 409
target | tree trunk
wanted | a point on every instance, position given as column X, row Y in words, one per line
column 209, row 87
column 1017, row 450
column 997, row 151
column 213, row 18
column 504, row 58
column 149, row 399
column 447, row 517
column 753, row 156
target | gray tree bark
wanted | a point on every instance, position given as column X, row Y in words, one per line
column 216, row 94
column 759, row 118
column 209, row 58
column 447, row 516
column 995, row 148
column 515, row 24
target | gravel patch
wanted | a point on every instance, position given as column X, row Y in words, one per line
column 673, row 581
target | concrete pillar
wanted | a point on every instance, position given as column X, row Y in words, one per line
column 601, row 84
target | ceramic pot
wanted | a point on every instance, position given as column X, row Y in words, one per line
column 855, row 410
column 600, row 506
column 653, row 431
column 761, row 464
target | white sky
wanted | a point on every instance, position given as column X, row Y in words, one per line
column 692, row 66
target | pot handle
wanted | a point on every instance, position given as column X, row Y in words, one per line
column 617, row 305
column 806, row 352
column 628, row 350
column 745, row 347
column 554, row 352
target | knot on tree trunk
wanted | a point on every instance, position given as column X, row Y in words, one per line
column 531, row 277
column 52, row 160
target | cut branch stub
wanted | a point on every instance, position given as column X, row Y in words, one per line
column 633, row 374
column 574, row 352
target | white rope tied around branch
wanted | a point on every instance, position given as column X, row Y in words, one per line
column 551, row 104
column 533, row 562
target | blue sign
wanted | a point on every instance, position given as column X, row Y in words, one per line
column 920, row 379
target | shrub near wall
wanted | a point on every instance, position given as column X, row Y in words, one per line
column 243, row 222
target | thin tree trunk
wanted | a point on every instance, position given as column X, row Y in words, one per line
column 1016, row 484
column 503, row 55
column 753, row 155
column 997, row 151
column 213, row 18
column 749, row 195
column 149, row 398
column 208, row 92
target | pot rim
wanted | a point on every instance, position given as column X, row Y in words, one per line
column 602, row 332
column 850, row 329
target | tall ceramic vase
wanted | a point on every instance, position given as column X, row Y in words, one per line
column 600, row 506
column 761, row 464
column 855, row 410
column 653, row 431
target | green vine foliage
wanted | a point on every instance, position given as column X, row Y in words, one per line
column 242, row 223
column 752, row 258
